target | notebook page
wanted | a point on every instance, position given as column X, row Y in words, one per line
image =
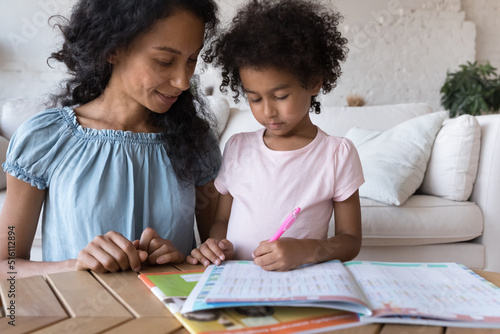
column 428, row 290
column 244, row 281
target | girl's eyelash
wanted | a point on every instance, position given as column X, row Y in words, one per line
column 277, row 98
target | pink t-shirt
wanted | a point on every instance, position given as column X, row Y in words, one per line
column 267, row 185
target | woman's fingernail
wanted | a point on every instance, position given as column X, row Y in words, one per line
column 137, row 269
column 253, row 256
column 221, row 257
column 160, row 260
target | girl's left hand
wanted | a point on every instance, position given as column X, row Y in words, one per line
column 160, row 251
column 281, row 255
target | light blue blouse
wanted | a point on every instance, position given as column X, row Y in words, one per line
column 103, row 180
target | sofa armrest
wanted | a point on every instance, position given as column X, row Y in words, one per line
column 486, row 192
column 4, row 144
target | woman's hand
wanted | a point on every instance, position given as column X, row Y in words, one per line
column 211, row 251
column 283, row 254
column 158, row 250
column 110, row 252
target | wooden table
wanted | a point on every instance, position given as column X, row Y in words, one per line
column 87, row 302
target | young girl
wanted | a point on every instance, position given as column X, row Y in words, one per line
column 118, row 167
column 280, row 54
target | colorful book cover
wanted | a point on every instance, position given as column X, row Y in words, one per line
column 173, row 288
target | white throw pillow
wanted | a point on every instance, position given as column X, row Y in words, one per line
column 220, row 109
column 394, row 161
column 16, row 111
column 453, row 164
column 336, row 121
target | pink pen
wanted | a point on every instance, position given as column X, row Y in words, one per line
column 286, row 224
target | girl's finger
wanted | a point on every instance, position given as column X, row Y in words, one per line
column 200, row 256
column 191, row 260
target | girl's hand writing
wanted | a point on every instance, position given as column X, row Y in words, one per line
column 212, row 251
column 159, row 250
column 281, row 255
column 110, row 252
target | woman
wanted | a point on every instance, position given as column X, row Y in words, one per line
column 118, row 169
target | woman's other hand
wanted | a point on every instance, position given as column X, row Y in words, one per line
column 159, row 250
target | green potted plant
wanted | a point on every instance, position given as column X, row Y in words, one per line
column 474, row 89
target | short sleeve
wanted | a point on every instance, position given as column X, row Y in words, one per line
column 209, row 164
column 348, row 171
column 35, row 148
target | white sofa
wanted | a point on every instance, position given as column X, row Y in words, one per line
column 424, row 228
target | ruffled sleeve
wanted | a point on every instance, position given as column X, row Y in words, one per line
column 348, row 171
column 35, row 149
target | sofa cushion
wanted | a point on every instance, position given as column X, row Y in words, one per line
column 336, row 121
column 240, row 120
column 454, row 160
column 421, row 220
column 219, row 107
column 394, row 161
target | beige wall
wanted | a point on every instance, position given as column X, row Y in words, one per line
column 400, row 49
column 26, row 41
column 486, row 15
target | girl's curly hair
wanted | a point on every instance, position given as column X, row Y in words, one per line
column 96, row 29
column 298, row 36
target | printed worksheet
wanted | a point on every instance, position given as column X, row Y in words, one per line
column 241, row 279
column 437, row 290
column 242, row 283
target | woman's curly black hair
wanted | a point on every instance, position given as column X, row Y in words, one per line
column 96, row 29
column 297, row 36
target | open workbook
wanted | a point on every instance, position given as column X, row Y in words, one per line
column 172, row 288
column 239, row 297
column 446, row 294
